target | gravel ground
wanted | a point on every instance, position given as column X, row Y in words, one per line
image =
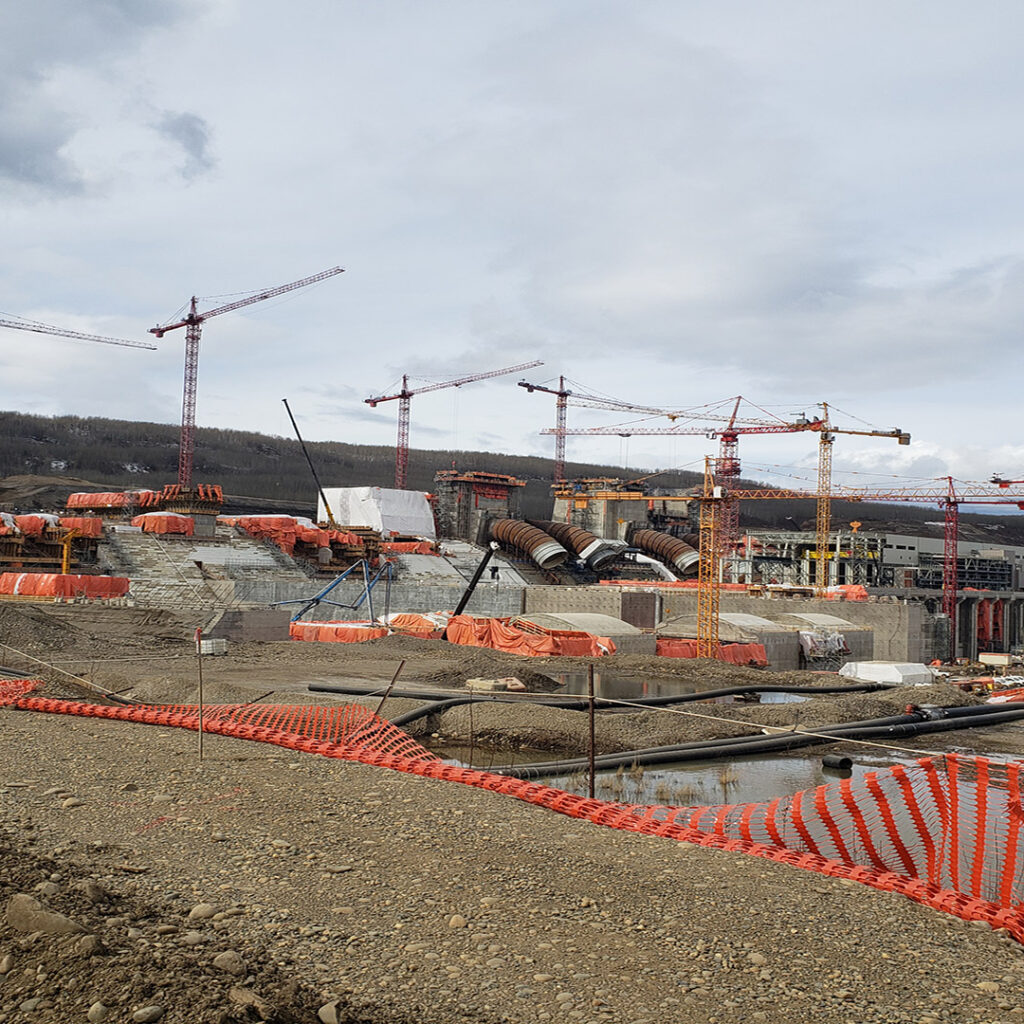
column 265, row 884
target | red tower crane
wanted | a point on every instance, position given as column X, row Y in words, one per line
column 193, row 324
column 21, row 324
column 947, row 496
column 404, row 396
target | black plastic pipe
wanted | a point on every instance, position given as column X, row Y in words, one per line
column 580, row 704
column 903, row 725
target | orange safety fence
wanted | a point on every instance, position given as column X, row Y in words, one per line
column 735, row 654
column 165, row 522
column 538, row 643
column 944, row 831
column 86, row 526
column 335, row 632
column 48, row 584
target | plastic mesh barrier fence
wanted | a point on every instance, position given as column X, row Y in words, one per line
column 943, row 831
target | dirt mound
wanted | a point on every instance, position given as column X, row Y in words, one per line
column 482, row 663
column 32, row 492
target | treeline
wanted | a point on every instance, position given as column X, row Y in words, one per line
column 119, row 454
column 125, row 455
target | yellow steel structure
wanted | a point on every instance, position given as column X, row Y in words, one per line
column 823, row 519
column 707, row 568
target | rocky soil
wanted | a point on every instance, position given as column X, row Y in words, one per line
column 261, row 884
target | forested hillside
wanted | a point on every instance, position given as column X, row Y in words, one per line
column 118, row 454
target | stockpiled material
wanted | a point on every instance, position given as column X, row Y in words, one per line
column 39, row 584
column 943, row 831
column 735, row 654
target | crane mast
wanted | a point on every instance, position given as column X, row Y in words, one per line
column 403, row 398
column 193, row 324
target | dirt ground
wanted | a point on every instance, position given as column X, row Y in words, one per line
column 261, row 884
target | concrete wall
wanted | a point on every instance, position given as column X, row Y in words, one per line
column 902, row 630
column 252, row 624
column 601, row 600
column 498, row 600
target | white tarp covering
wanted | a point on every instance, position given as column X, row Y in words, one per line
column 907, row 673
column 381, row 508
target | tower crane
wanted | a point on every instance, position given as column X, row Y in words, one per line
column 823, row 518
column 565, row 397
column 405, row 395
column 193, row 324
column 946, row 494
column 21, row 324
column 727, row 467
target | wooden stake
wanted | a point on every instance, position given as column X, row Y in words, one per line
column 199, row 670
column 590, row 692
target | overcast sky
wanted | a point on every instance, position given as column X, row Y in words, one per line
column 668, row 202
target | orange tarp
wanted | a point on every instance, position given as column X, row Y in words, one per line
column 408, row 547
column 499, row 635
column 407, row 622
column 33, row 525
column 87, row 526
column 40, row 584
column 346, row 537
column 736, row 654
column 165, row 522
column 335, row 632
column 278, row 529
column 100, row 499
column 847, row 592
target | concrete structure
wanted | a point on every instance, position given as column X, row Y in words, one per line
column 609, row 508
column 464, row 500
column 628, row 639
column 860, row 640
column 781, row 643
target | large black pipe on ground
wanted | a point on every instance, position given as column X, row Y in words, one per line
column 515, row 533
column 587, row 546
column 917, row 723
column 668, row 549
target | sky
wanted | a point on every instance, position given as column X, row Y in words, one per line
column 669, row 203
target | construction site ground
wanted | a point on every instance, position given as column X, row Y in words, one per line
column 260, row 883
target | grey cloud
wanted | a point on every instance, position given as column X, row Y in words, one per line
column 31, row 139
column 37, row 42
column 192, row 133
